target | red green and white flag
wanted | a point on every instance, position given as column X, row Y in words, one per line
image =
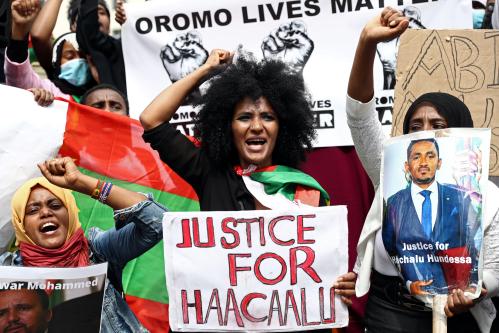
column 280, row 186
column 106, row 146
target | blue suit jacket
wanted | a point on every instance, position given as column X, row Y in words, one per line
column 402, row 226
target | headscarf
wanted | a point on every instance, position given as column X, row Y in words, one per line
column 455, row 112
column 62, row 84
column 73, row 253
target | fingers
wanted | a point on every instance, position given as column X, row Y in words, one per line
column 457, row 302
column 415, row 287
column 26, row 7
column 425, row 283
column 448, row 313
column 120, row 15
column 346, row 300
column 42, row 97
column 219, row 56
column 44, row 170
column 56, row 166
column 387, row 13
column 345, row 287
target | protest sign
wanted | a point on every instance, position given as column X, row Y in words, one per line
column 164, row 41
column 52, row 299
column 433, row 186
column 256, row 270
column 463, row 63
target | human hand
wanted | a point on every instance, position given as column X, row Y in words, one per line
column 23, row 13
column 416, row 287
column 290, row 44
column 389, row 24
column 120, row 14
column 218, row 60
column 345, row 286
column 183, row 56
column 42, row 96
column 467, row 166
column 62, row 172
column 457, row 302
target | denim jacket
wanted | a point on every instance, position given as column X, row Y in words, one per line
column 138, row 228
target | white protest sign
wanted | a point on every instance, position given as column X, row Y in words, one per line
column 165, row 40
column 59, row 299
column 433, row 188
column 256, row 270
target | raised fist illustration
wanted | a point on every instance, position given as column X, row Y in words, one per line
column 184, row 55
column 387, row 51
column 414, row 16
column 290, row 44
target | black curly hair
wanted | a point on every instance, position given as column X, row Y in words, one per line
column 284, row 90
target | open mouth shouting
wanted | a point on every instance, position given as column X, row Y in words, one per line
column 256, row 143
column 48, row 228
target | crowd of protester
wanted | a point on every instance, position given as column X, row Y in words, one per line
column 261, row 108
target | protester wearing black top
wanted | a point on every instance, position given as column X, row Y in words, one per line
column 103, row 50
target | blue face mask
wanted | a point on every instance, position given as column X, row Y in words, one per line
column 478, row 15
column 76, row 72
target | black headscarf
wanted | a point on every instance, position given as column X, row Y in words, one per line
column 455, row 112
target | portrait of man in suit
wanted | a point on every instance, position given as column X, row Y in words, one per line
column 426, row 225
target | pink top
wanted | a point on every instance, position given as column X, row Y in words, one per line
column 22, row 75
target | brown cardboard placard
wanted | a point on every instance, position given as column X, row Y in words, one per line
column 464, row 63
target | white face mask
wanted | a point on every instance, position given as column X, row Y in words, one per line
column 76, row 72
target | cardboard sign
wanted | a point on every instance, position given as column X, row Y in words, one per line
column 433, row 190
column 463, row 63
column 256, row 270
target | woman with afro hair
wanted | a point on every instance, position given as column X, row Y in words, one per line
column 253, row 129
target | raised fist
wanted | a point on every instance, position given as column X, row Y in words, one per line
column 387, row 53
column 388, row 47
column 290, row 44
column 23, row 13
column 184, row 55
column 61, row 171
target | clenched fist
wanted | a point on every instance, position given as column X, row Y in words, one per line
column 184, row 55
column 290, row 44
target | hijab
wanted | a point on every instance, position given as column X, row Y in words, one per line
column 455, row 112
column 73, row 253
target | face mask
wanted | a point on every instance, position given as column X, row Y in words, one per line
column 478, row 15
column 76, row 72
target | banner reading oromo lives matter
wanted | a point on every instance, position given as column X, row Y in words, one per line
column 164, row 41
column 433, row 185
column 256, row 270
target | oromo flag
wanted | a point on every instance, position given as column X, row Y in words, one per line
column 108, row 147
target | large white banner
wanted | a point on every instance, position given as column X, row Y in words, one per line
column 29, row 134
column 165, row 40
column 256, row 270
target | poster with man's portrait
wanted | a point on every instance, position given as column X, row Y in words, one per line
column 432, row 186
column 47, row 300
